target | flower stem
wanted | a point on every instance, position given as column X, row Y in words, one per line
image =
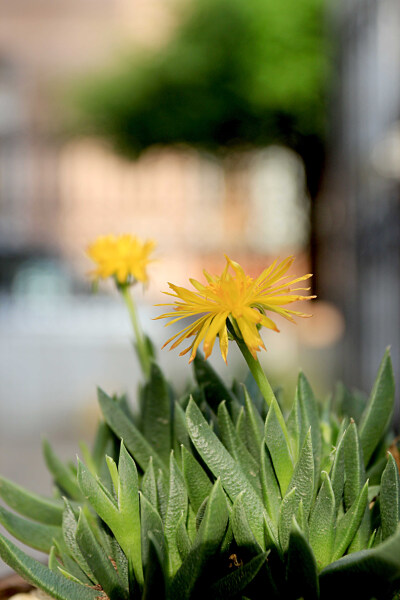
column 141, row 345
column 257, row 372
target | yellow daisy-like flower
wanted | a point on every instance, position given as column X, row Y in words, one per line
column 124, row 257
column 237, row 297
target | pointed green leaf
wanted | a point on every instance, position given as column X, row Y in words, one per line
column 322, row 523
column 348, row 525
column 151, row 523
column 353, row 465
column 100, row 564
column 310, row 415
column 128, row 504
column 69, row 528
column 373, row 573
column 149, row 484
column 63, row 476
column 276, row 440
column 390, row 498
column 123, row 427
column 156, row 413
column 56, row 586
column 288, row 510
column 240, row 526
column 154, row 581
column 162, row 494
column 205, row 546
column 33, row 534
column 29, row 504
column 378, row 411
column 182, row 539
column 337, row 472
column 177, row 506
column 220, row 462
column 180, row 430
column 301, row 573
column 270, row 487
column 197, row 482
column 237, row 449
column 303, row 475
column 355, row 478
column 254, row 426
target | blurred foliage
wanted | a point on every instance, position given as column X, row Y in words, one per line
column 235, row 73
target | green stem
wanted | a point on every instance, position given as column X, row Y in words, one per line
column 140, row 341
column 257, row 372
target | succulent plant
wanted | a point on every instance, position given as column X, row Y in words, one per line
column 217, row 494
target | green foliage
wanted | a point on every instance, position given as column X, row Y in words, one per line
column 235, row 73
column 250, row 504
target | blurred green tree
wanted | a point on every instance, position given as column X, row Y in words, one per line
column 236, row 74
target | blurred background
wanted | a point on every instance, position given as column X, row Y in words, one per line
column 247, row 127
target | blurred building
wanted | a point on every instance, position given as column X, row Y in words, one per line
column 56, row 194
column 358, row 224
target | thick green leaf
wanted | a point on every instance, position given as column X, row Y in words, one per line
column 149, row 484
column 301, row 572
column 29, row 504
column 254, row 426
column 378, row 411
column 156, row 413
column 303, row 475
column 322, row 523
column 390, row 498
column 270, row 487
column 220, row 462
column 297, row 427
column 69, row 564
column 353, row 465
column 33, row 534
column 277, row 442
column 181, row 434
column 56, row 586
column 198, row 485
column 205, row 546
column 310, row 415
column 241, row 529
column 162, row 494
column 182, row 539
column 236, row 582
column 237, row 449
column 63, row 476
column 355, row 478
column 104, row 440
column 288, row 510
column 348, row 525
column 373, row 573
column 177, row 506
column 99, row 563
column 69, row 528
column 151, row 523
column 337, row 472
column 154, row 580
column 129, row 512
column 123, row 427
column 117, row 516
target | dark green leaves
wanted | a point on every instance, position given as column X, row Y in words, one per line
column 378, row 411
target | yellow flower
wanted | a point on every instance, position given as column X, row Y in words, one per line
column 124, row 257
column 237, row 297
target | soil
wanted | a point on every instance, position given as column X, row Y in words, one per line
column 11, row 585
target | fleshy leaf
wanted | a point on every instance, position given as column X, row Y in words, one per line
column 378, row 411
